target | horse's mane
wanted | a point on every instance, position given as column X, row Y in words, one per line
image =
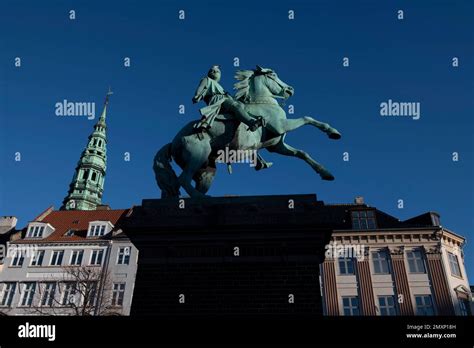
column 242, row 86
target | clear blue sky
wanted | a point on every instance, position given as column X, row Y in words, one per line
column 390, row 158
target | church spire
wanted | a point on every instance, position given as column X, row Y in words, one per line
column 104, row 111
column 87, row 186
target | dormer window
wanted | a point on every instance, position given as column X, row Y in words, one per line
column 435, row 219
column 39, row 230
column 99, row 228
column 35, row 232
column 70, row 233
column 363, row 219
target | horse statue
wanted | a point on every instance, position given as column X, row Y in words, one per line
column 196, row 153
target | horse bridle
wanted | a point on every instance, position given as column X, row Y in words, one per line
column 279, row 85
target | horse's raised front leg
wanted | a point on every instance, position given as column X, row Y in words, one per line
column 292, row 124
column 287, row 150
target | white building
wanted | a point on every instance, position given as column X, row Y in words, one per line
column 69, row 263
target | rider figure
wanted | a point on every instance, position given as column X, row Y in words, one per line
column 218, row 101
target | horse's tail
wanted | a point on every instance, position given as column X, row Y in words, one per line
column 165, row 176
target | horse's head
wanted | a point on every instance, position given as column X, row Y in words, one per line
column 261, row 83
column 271, row 80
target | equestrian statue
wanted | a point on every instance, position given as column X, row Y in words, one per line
column 251, row 120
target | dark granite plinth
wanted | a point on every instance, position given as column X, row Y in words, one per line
column 190, row 251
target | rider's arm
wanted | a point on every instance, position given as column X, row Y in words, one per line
column 200, row 91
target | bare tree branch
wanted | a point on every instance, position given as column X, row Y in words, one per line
column 89, row 293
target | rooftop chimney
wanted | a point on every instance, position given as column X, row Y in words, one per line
column 102, row 207
column 359, row 200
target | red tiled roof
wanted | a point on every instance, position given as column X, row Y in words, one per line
column 77, row 220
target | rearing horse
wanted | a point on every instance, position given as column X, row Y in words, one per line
column 258, row 90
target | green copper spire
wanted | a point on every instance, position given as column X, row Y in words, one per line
column 87, row 186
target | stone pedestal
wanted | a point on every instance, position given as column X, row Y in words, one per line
column 231, row 256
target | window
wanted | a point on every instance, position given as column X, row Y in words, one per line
column 35, row 232
column 85, row 174
column 48, row 295
column 387, row 305
column 37, row 258
column 97, row 230
column 380, row 262
column 28, row 294
column 6, row 296
column 350, row 305
column 31, row 231
column 464, row 307
column 346, row 266
column 18, row 258
column 424, row 305
column 363, row 220
column 123, row 256
column 76, row 257
column 70, row 233
column 69, row 294
column 92, row 230
column 96, row 257
column 454, row 265
column 415, row 261
column 94, row 175
column 57, row 258
column 91, row 293
column 118, row 294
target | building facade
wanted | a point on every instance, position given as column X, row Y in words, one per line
column 378, row 265
column 69, row 263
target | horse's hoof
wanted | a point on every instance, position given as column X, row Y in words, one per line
column 261, row 166
column 334, row 134
column 325, row 175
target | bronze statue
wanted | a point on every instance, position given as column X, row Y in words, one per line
column 195, row 151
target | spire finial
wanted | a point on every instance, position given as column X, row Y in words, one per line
column 109, row 93
column 104, row 112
